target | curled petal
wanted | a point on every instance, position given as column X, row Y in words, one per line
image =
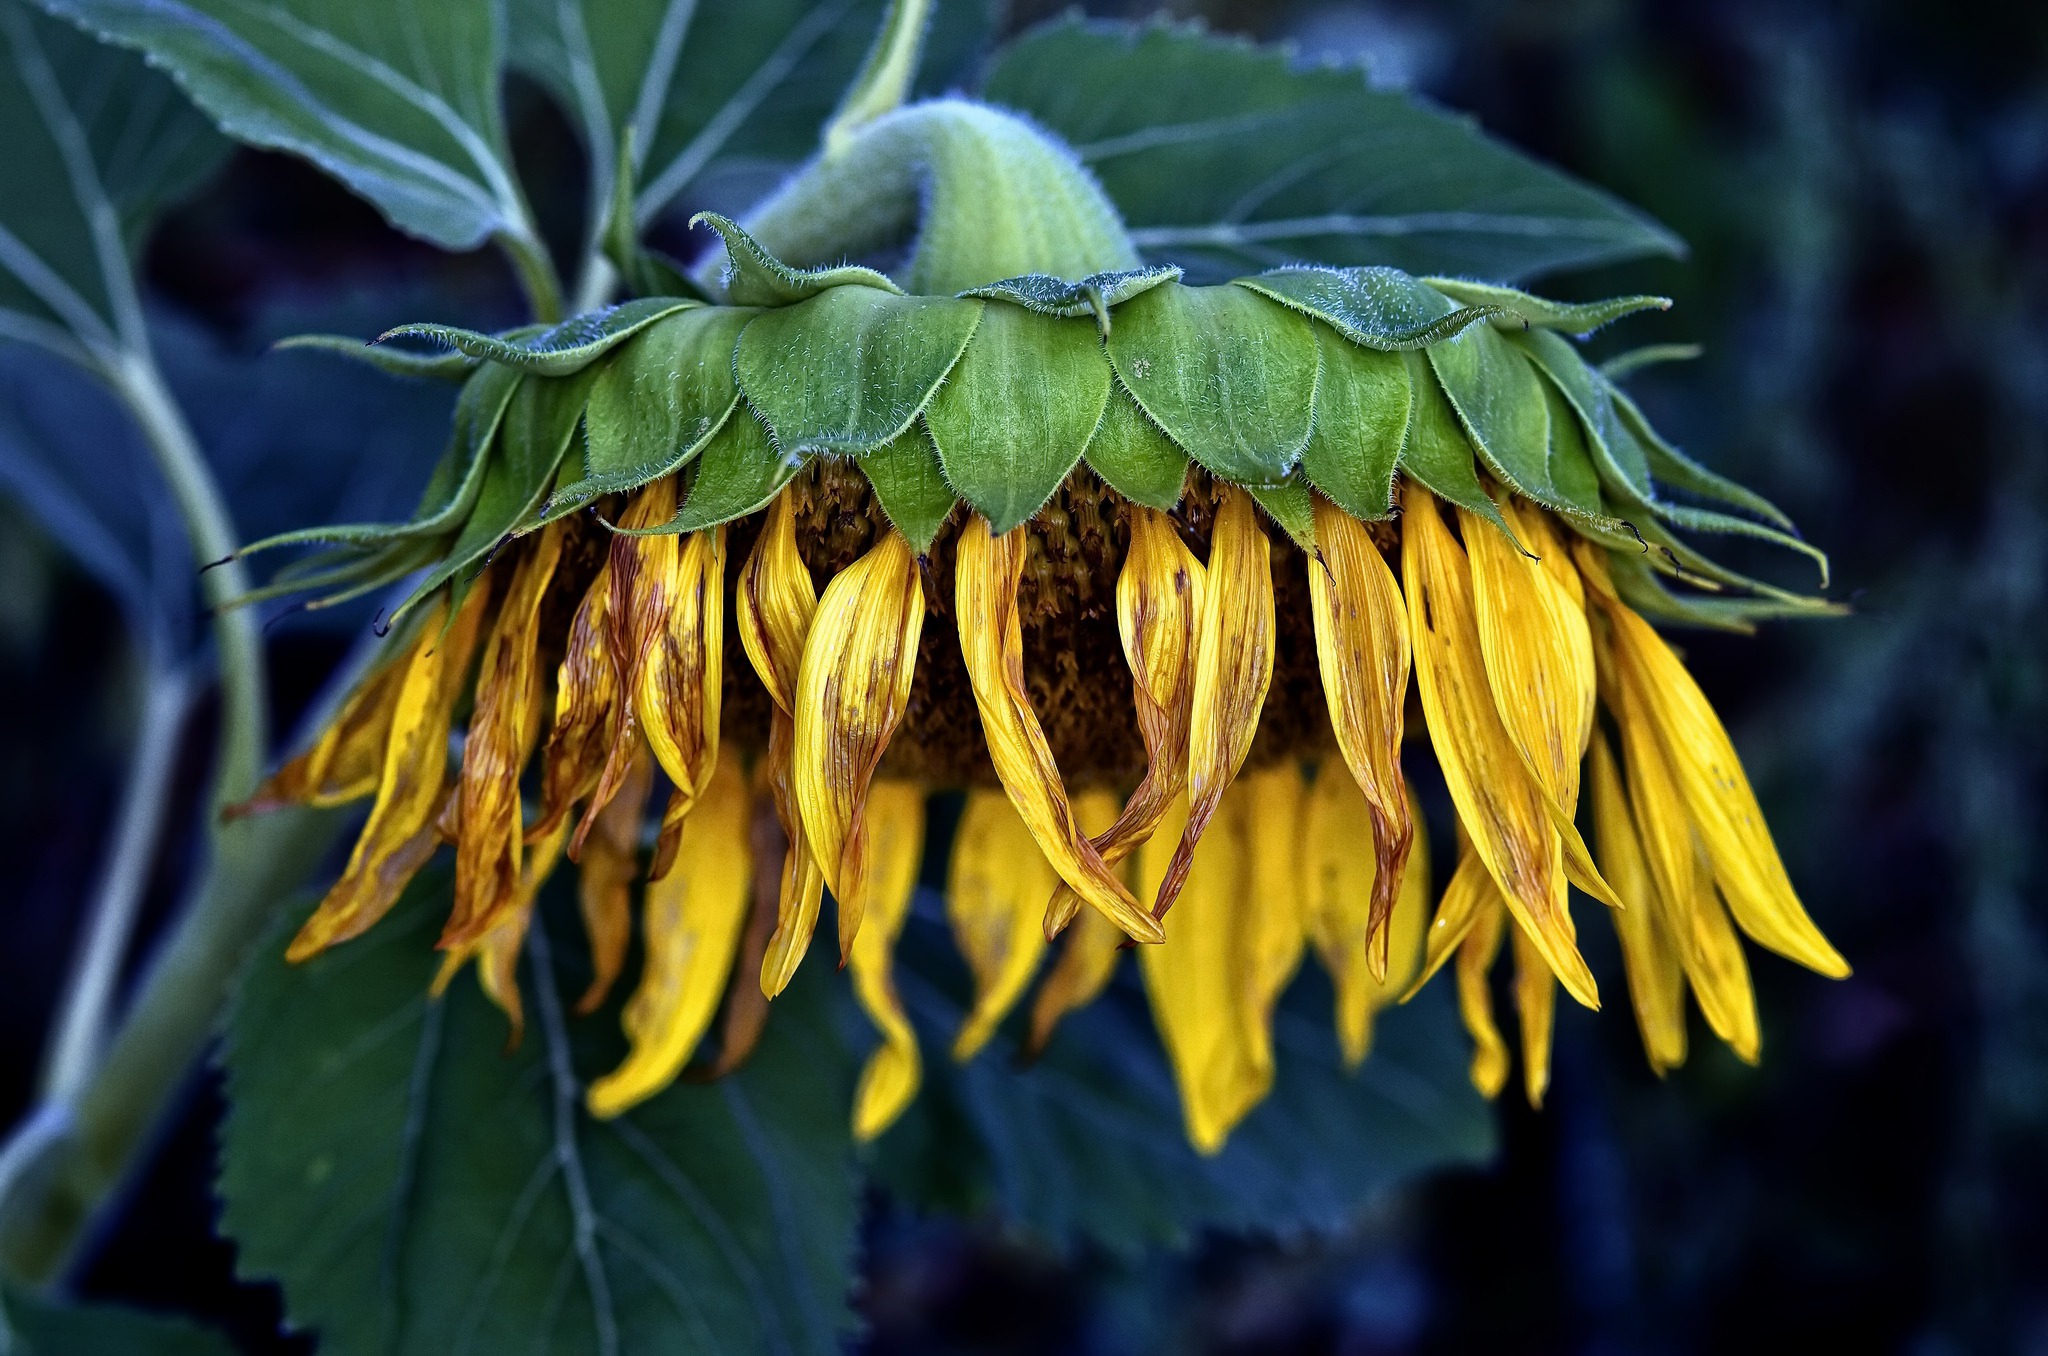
column 502, row 729
column 1489, row 1069
column 1087, row 959
column 586, row 691
column 1498, row 801
column 1362, row 649
column 1342, row 895
column 995, row 897
column 691, row 922
column 496, row 951
column 1539, row 667
column 1470, row 893
column 344, row 762
column 1536, row 1006
column 682, row 687
column 1158, row 607
column 985, row 574
column 1233, row 669
column 851, row 693
column 604, row 882
column 895, row 827
column 746, row 1007
column 401, row 835
column 1649, row 953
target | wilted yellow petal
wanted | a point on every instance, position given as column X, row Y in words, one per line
column 496, row 952
column 586, row 688
column 1649, row 954
column 1538, row 655
column 690, row 928
column 995, row 900
column 895, row 826
column 1498, row 801
column 1087, row 959
column 1489, row 1071
column 682, row 687
column 1342, row 875
column 851, row 692
column 1158, row 607
column 985, row 573
column 344, row 762
column 1233, row 669
column 1203, row 980
column 502, row 729
column 604, row 882
column 641, row 574
column 1536, row 1006
column 1362, row 649
column 400, row 835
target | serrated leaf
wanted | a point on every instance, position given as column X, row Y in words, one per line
column 1134, row 457
column 1525, row 310
column 452, row 365
column 1225, row 157
column 656, row 403
column 35, row 1326
column 739, row 471
column 1362, row 405
column 910, row 485
column 1380, row 308
column 1013, row 417
column 754, row 277
column 1437, row 453
column 1674, row 468
column 1503, row 405
column 558, row 350
column 419, row 1191
column 851, row 368
column 1230, row 376
column 397, row 100
column 1093, row 295
column 1619, row 459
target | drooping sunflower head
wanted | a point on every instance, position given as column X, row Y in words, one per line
column 728, row 588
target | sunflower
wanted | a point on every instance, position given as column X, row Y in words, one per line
column 723, row 591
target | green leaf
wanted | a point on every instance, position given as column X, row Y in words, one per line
column 34, row 1326
column 1362, row 404
column 1292, row 507
column 1134, row 457
column 1093, row 295
column 1626, row 364
column 1225, row 157
column 1377, row 307
column 910, row 485
column 419, row 1191
column 1229, row 376
column 737, row 474
column 397, row 100
column 1019, row 407
column 1639, row 587
column 657, row 403
column 754, row 277
column 1504, row 407
column 1673, row 467
column 1437, row 452
column 558, row 350
column 1550, row 315
column 454, row 365
column 851, row 368
column 1087, row 1142
column 1623, row 467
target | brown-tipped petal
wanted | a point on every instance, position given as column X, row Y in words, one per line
column 1087, row 959
column 1498, row 801
column 1536, row 1006
column 1233, row 668
column 502, row 729
column 1362, row 649
column 604, row 884
column 995, row 895
column 1649, row 954
column 345, row 761
column 1203, row 979
column 802, row 880
column 851, row 693
column 400, row 835
column 1158, row 607
column 985, row 573
column 681, row 687
column 1489, row 1071
column 895, row 825
column 1342, row 871
column 586, row 691
column 691, row 923
column 1538, row 655
column 497, row 951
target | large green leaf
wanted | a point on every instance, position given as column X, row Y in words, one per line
column 911, row 486
column 418, row 1190
column 1134, row 456
column 34, row 1326
column 1362, row 404
column 738, row 472
column 396, row 98
column 1224, row 156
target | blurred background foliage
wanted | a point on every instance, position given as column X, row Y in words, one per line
column 1865, row 191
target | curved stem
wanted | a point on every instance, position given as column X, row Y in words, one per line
column 536, row 274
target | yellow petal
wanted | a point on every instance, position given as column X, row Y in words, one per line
column 1203, row 980
column 1087, row 959
column 1469, row 895
column 502, row 729
column 1276, row 840
column 345, row 761
column 604, row 881
column 1233, row 669
column 1538, row 655
column 1362, row 649
column 852, row 689
column 895, row 826
column 1498, row 801
column 1342, row 877
column 400, row 835
column 995, row 900
column 985, row 574
column 496, row 952
column 1536, row 1006
column 586, row 688
column 691, row 922
column 1489, row 1069
column 682, row 687
column 1649, row 954
column 641, row 574
column 1158, row 607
